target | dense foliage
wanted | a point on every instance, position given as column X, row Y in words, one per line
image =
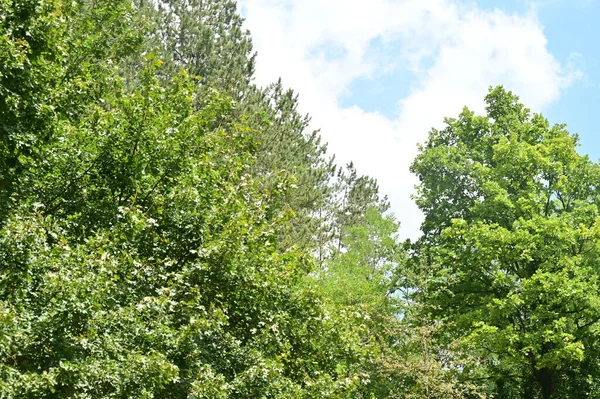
column 137, row 258
column 511, row 245
column 170, row 230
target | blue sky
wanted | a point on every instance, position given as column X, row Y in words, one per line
column 572, row 32
column 376, row 76
column 574, row 28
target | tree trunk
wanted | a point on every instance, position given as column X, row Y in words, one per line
column 546, row 381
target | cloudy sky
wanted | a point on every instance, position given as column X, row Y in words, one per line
column 376, row 75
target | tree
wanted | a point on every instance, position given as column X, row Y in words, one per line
column 138, row 256
column 353, row 196
column 405, row 360
column 360, row 275
column 290, row 153
column 357, row 280
column 510, row 240
column 47, row 65
column 206, row 38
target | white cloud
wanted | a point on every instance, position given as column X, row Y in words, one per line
column 468, row 50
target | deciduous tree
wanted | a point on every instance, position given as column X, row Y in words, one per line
column 511, row 236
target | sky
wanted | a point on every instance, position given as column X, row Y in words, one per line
column 377, row 75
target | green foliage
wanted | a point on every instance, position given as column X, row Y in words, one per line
column 139, row 257
column 206, row 38
column 287, row 153
column 170, row 230
column 357, row 281
column 360, row 275
column 510, row 241
column 31, row 67
column 49, row 72
column 354, row 196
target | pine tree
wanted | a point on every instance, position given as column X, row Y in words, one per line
column 289, row 153
column 205, row 37
column 354, row 195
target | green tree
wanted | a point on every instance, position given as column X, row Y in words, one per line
column 358, row 280
column 206, row 38
column 289, row 152
column 139, row 257
column 404, row 361
column 353, row 196
column 361, row 274
column 47, row 66
column 154, row 273
column 510, row 244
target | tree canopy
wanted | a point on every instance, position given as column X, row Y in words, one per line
column 511, row 243
column 169, row 229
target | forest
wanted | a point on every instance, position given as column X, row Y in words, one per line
column 169, row 229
